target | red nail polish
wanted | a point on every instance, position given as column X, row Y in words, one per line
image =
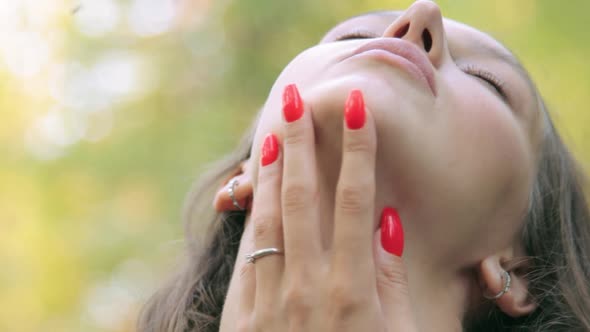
column 355, row 110
column 292, row 104
column 270, row 150
column 392, row 233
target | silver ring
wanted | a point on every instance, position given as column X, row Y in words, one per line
column 507, row 281
column 231, row 190
column 251, row 258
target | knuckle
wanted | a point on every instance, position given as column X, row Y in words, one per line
column 344, row 300
column 298, row 303
column 266, row 226
column 294, row 134
column 393, row 276
column 261, row 318
column 340, row 293
column 358, row 144
column 243, row 324
column 267, row 175
column 353, row 199
column 296, row 197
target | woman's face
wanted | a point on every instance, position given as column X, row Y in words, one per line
column 457, row 122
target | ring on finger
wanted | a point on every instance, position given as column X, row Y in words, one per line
column 231, row 190
column 251, row 258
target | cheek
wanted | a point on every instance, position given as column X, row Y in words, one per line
column 495, row 164
column 485, row 128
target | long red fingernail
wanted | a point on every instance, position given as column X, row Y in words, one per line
column 292, row 104
column 270, row 150
column 355, row 110
column 392, row 233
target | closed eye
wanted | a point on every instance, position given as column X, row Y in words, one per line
column 356, row 34
column 489, row 78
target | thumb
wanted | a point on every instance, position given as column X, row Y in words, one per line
column 392, row 279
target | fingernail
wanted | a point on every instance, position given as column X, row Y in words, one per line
column 292, row 104
column 270, row 150
column 355, row 110
column 392, row 233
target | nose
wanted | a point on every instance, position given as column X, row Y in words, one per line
column 422, row 25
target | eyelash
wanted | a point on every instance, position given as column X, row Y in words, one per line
column 487, row 76
column 356, row 34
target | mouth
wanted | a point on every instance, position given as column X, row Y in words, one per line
column 401, row 54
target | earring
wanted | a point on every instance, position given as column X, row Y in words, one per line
column 507, row 280
column 231, row 191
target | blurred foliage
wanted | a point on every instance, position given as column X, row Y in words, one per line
column 111, row 109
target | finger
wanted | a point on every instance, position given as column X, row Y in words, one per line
column 355, row 191
column 241, row 189
column 300, row 194
column 247, row 276
column 391, row 275
column 266, row 218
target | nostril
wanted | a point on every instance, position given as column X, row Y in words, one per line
column 402, row 31
column 427, row 40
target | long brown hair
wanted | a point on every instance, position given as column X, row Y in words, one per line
column 556, row 237
column 192, row 299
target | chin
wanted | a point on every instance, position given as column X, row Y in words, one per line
column 384, row 95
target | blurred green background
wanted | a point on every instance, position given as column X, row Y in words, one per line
column 111, row 109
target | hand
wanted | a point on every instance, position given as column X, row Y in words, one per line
column 353, row 286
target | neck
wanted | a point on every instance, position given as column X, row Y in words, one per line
column 439, row 291
column 439, row 297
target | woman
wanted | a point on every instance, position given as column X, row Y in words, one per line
column 399, row 134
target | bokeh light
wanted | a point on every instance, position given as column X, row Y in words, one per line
column 151, row 17
column 97, row 18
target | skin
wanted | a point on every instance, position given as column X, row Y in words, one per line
column 458, row 166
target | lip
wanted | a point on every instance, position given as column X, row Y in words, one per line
column 402, row 54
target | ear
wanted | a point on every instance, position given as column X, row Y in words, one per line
column 242, row 191
column 516, row 301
